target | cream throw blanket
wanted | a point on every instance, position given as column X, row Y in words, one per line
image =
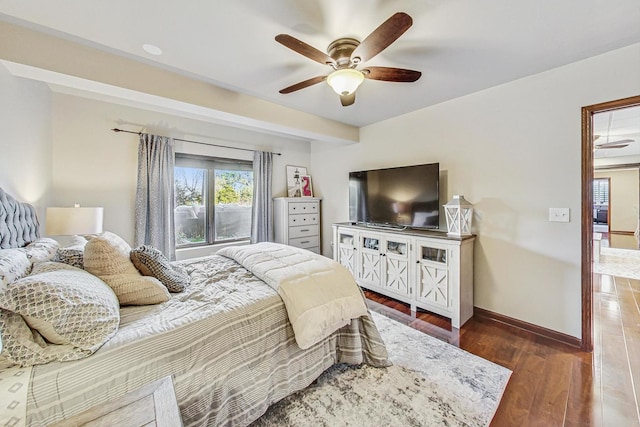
column 320, row 294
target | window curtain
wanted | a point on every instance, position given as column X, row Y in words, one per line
column 262, row 210
column 155, row 194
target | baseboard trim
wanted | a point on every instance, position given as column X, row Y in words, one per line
column 623, row 233
column 529, row 327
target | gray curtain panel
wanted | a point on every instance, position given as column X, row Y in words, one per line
column 262, row 211
column 155, row 194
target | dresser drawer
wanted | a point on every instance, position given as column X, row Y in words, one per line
column 304, row 231
column 305, row 242
column 305, row 219
column 303, row 207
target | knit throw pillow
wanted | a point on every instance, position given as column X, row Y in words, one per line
column 107, row 256
column 151, row 262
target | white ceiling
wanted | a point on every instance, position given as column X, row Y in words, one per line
column 460, row 46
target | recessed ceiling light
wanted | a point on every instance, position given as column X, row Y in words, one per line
column 153, row 50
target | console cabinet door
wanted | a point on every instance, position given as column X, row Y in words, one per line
column 432, row 264
column 396, row 266
column 347, row 241
column 370, row 259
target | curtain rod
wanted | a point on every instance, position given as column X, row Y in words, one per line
column 196, row 142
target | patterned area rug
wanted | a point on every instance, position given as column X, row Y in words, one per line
column 619, row 262
column 430, row 383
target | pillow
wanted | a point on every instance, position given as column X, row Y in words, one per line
column 57, row 313
column 151, row 262
column 14, row 264
column 107, row 256
column 72, row 254
column 41, row 250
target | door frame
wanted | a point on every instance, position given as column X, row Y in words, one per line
column 587, row 210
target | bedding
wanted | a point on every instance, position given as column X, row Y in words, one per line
column 320, row 295
column 108, row 257
column 41, row 250
column 14, row 264
column 151, row 261
column 57, row 313
column 73, row 254
column 226, row 340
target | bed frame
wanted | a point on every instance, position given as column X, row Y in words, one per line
column 19, row 224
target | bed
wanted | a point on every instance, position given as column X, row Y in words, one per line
column 226, row 341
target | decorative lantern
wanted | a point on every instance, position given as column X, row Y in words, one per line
column 459, row 215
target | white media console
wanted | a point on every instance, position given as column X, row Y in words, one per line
column 426, row 269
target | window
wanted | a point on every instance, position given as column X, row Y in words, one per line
column 213, row 200
column 601, row 191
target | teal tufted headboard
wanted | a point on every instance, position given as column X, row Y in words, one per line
column 18, row 222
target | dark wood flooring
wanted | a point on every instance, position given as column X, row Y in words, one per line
column 552, row 383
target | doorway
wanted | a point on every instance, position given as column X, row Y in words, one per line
column 589, row 145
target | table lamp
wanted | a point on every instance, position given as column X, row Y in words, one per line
column 73, row 221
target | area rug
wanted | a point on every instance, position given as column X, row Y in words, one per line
column 431, row 383
column 619, row 262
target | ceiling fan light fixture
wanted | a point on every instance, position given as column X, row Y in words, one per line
column 152, row 49
column 345, row 81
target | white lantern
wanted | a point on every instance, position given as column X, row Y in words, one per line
column 459, row 215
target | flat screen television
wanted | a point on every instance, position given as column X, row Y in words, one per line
column 405, row 196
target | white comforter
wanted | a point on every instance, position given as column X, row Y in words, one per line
column 320, row 295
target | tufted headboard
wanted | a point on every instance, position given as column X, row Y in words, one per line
column 18, row 222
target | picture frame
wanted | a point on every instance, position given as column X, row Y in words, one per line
column 294, row 185
column 307, row 189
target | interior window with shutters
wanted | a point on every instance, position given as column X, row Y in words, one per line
column 600, row 191
column 213, row 200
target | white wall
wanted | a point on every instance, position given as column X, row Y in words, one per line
column 513, row 151
column 94, row 166
column 25, row 140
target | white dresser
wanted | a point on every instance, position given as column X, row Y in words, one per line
column 426, row 269
column 297, row 222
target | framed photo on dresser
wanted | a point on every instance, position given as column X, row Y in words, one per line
column 307, row 189
column 294, row 183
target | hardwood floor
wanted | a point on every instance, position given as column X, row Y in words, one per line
column 554, row 384
column 620, row 241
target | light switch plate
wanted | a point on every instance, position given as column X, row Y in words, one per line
column 559, row 214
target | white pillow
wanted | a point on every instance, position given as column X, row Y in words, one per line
column 41, row 250
column 14, row 264
column 59, row 312
column 107, row 256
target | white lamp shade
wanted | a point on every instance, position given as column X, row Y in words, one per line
column 71, row 221
column 459, row 214
column 345, row 81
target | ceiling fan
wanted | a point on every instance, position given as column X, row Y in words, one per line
column 345, row 54
column 621, row 143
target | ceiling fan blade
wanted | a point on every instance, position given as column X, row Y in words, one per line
column 304, row 49
column 381, row 37
column 347, row 100
column 615, row 144
column 391, row 74
column 301, row 85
